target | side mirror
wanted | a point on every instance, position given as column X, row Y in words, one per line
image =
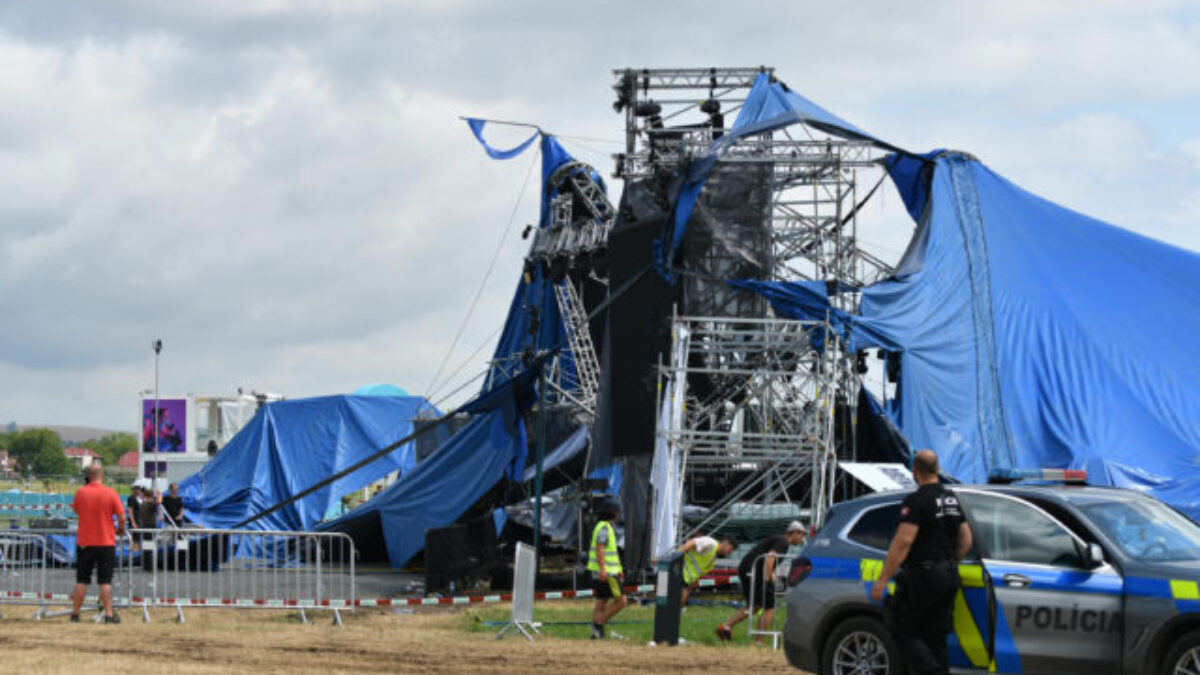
column 1093, row 556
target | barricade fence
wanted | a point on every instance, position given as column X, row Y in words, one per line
column 237, row 568
column 189, row 568
column 22, row 574
column 766, row 596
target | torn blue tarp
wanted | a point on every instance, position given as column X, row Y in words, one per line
column 809, row 301
column 495, row 153
column 441, row 488
column 291, row 445
column 533, row 323
column 1033, row 336
column 489, row 447
column 572, row 446
column 769, row 105
column 611, row 473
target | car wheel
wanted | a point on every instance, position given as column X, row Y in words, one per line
column 1184, row 657
column 860, row 646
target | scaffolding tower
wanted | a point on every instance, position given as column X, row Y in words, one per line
column 755, row 396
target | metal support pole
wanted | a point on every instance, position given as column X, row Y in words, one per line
column 541, row 458
column 157, row 414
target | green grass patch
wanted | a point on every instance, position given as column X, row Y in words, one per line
column 571, row 619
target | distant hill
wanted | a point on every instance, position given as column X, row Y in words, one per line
column 72, row 434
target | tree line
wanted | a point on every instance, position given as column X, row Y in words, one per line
column 40, row 452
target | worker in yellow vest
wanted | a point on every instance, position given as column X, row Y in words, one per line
column 604, row 562
column 699, row 556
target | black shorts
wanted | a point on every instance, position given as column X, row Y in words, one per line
column 602, row 590
column 763, row 590
column 100, row 557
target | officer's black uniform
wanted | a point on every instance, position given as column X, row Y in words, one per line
column 921, row 613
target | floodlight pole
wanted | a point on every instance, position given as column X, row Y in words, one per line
column 155, row 415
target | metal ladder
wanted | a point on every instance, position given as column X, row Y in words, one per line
column 575, row 323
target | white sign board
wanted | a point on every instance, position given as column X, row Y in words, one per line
column 881, row 477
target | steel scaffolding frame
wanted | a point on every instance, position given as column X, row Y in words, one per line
column 772, row 391
column 581, row 217
column 757, row 395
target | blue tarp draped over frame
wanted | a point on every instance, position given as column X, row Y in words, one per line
column 1033, row 336
column 769, row 105
column 533, row 323
column 291, row 445
column 444, row 486
column 441, row 488
column 493, row 443
column 809, row 301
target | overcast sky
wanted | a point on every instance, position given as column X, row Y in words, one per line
column 282, row 192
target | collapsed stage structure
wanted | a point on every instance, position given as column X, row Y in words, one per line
column 699, row 347
column 690, row 387
column 746, row 417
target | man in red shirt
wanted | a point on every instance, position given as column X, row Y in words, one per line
column 95, row 541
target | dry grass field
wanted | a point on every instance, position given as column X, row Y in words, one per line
column 433, row 641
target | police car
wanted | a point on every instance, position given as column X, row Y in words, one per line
column 1061, row 579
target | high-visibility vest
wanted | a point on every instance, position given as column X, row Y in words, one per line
column 696, row 564
column 612, row 560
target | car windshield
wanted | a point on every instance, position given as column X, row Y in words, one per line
column 1147, row 530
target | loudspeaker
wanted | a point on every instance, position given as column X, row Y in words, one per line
column 461, row 554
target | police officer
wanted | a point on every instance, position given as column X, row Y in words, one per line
column 699, row 557
column 930, row 540
column 604, row 562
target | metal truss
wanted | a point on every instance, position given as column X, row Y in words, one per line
column 581, row 216
column 814, row 176
column 650, row 97
column 757, row 396
column 586, row 371
column 580, row 219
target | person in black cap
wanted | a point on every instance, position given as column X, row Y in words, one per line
column 930, row 540
column 756, row 574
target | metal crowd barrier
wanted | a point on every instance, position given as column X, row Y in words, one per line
column 300, row 571
column 783, row 564
column 253, row 569
column 22, row 568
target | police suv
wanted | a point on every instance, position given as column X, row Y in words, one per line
column 1061, row 579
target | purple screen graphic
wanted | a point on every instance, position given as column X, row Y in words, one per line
column 171, row 428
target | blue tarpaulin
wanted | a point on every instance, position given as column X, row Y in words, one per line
column 572, row 446
column 291, row 445
column 442, row 488
column 533, row 323
column 769, row 105
column 496, row 153
column 1033, row 336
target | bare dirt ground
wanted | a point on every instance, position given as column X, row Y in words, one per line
column 222, row 641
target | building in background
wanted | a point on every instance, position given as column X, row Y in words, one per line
column 179, row 433
column 82, row 457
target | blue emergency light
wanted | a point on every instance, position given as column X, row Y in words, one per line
column 1067, row 476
